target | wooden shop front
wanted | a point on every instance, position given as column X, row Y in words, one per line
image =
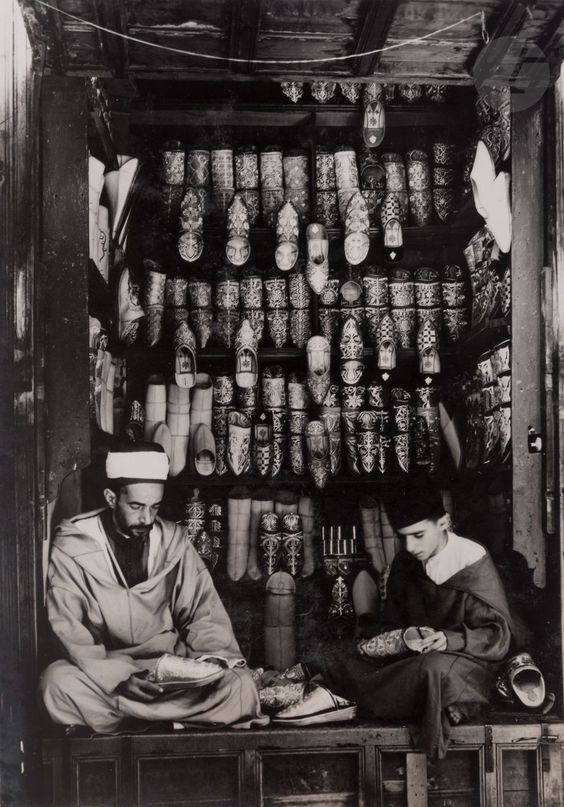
column 80, row 99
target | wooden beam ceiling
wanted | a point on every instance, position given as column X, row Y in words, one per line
column 245, row 26
column 509, row 26
column 111, row 14
column 377, row 22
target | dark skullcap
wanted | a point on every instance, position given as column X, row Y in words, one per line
column 417, row 500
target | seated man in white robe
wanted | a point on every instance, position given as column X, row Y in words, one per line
column 124, row 588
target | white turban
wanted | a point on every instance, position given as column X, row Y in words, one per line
column 139, row 465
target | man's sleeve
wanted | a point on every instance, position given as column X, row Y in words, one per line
column 67, row 608
column 484, row 634
column 199, row 614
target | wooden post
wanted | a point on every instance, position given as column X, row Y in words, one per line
column 527, row 257
column 558, row 280
column 416, row 770
column 64, row 163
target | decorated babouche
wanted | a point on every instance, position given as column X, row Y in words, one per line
column 238, row 246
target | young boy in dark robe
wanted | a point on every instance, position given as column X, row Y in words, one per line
column 450, row 586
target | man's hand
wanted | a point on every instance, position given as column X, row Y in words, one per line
column 139, row 689
column 435, row 641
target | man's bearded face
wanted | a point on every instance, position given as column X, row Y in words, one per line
column 425, row 538
column 136, row 508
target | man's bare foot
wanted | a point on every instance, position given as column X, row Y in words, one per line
column 455, row 715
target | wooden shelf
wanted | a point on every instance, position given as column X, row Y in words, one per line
column 185, row 480
column 483, row 336
column 434, row 235
column 287, row 115
column 280, row 481
column 162, row 353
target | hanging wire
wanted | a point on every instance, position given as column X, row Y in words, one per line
column 485, row 35
column 234, row 59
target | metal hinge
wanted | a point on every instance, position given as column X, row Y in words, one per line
column 489, row 762
column 546, row 741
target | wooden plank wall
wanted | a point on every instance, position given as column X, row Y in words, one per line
column 64, row 160
column 19, row 393
column 558, row 271
column 527, row 256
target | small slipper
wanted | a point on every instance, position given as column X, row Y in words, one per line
column 390, row 216
column 163, row 437
column 318, row 352
column 204, row 450
column 317, row 269
column 521, row 681
column 246, row 361
column 184, row 356
column 318, row 451
column 238, row 247
column 374, row 124
column 357, row 239
column 318, row 706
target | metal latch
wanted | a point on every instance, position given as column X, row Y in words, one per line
column 488, row 750
column 546, row 741
column 534, row 441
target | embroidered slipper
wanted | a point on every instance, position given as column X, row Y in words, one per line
column 390, row 217
column 287, row 232
column 238, row 247
column 522, row 681
column 319, row 705
column 317, row 269
column 367, row 440
column 184, row 356
column 262, row 443
column 246, row 360
column 386, row 344
column 357, row 240
column 351, row 349
column 176, row 672
column 319, row 460
column 191, row 241
column 239, row 443
column 428, row 349
column 374, row 122
column 318, row 367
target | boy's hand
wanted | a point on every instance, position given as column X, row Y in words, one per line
column 435, row 641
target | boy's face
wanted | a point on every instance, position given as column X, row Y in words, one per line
column 425, row 538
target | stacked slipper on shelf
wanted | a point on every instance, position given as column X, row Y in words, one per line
column 247, row 181
column 205, row 523
column 223, row 179
column 481, row 258
column 296, row 183
column 327, row 209
column 445, row 179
